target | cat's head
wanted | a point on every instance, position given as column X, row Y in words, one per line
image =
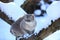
column 29, row 17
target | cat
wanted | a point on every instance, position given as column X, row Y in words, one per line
column 24, row 25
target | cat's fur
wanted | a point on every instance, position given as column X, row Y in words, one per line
column 23, row 25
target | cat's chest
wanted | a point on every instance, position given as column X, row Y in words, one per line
column 29, row 25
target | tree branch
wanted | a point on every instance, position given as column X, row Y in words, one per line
column 5, row 18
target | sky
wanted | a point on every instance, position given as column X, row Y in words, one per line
column 13, row 10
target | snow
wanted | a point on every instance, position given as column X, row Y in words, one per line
column 37, row 12
column 5, row 31
column 19, row 2
column 53, row 13
column 54, row 36
column 42, row 22
column 52, row 0
column 53, row 10
column 43, row 7
column 12, row 10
